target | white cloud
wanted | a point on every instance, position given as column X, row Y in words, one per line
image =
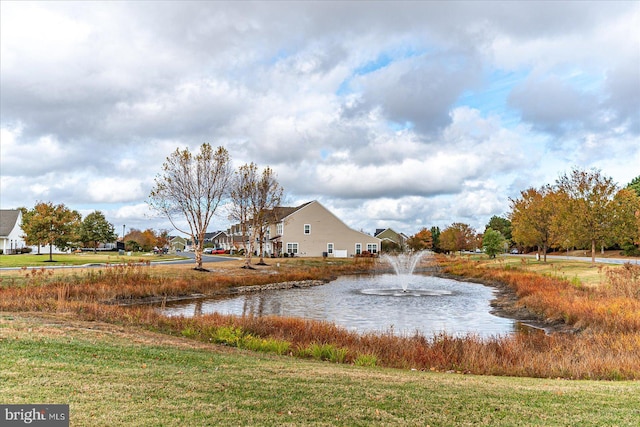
column 410, row 114
column 115, row 190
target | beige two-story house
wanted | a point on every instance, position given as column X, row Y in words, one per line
column 311, row 230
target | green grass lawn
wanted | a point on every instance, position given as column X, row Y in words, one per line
column 112, row 376
column 42, row 260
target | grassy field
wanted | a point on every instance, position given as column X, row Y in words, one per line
column 110, row 366
column 42, row 260
column 577, row 271
column 112, row 376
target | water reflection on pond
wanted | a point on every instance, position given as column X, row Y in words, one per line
column 373, row 304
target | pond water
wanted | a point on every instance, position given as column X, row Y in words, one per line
column 373, row 304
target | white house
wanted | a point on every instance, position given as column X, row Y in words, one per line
column 11, row 240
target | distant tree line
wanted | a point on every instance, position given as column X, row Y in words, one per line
column 51, row 225
column 582, row 210
column 57, row 225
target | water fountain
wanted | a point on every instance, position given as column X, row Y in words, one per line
column 403, row 300
column 404, row 264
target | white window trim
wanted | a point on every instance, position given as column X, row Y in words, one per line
column 330, row 248
column 307, row 229
column 297, row 248
column 358, row 249
column 374, row 245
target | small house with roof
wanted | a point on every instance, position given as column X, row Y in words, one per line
column 11, row 240
column 391, row 238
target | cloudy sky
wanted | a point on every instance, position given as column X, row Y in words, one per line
column 391, row 114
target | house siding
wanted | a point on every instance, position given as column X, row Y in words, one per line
column 325, row 228
column 10, row 231
column 391, row 235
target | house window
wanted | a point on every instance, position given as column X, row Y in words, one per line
column 358, row 248
column 292, row 248
column 307, row 229
column 330, row 248
column 279, row 229
column 372, row 247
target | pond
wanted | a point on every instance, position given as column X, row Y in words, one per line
column 430, row 305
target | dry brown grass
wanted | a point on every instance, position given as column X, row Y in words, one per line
column 556, row 299
column 607, row 345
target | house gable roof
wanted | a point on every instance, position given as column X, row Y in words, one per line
column 301, row 207
column 213, row 235
column 391, row 235
column 281, row 212
column 8, row 220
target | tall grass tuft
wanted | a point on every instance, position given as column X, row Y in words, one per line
column 622, row 282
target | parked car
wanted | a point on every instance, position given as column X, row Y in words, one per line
column 218, row 251
column 207, row 250
column 514, row 251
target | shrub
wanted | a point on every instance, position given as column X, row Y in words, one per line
column 325, row 352
column 629, row 249
column 265, row 345
column 228, row 335
column 189, row 332
column 366, row 360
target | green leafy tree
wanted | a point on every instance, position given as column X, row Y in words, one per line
column 435, row 234
column 51, row 224
column 492, row 242
column 96, row 229
column 503, row 225
column 635, row 185
column 190, row 188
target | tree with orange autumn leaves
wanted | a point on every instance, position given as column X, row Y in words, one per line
column 458, row 237
column 422, row 240
column 584, row 210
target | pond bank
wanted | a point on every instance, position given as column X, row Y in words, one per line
column 236, row 290
column 506, row 304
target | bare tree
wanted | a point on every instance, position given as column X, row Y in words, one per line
column 242, row 187
column 268, row 197
column 254, row 196
column 192, row 187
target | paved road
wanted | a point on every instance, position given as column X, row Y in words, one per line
column 190, row 260
column 205, row 259
column 588, row 259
